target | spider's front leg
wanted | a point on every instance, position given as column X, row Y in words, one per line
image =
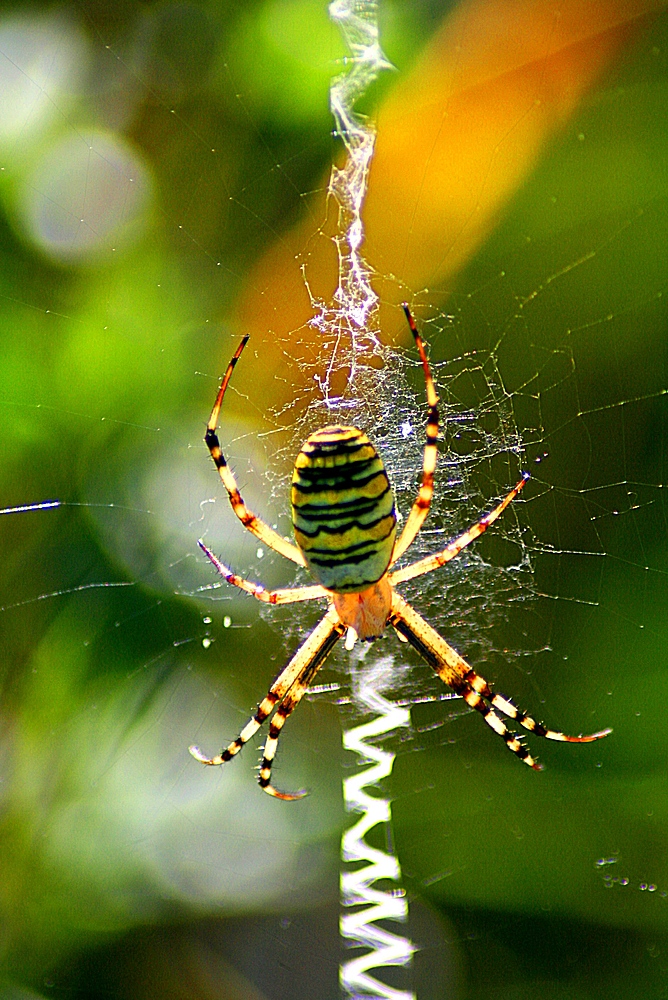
column 286, row 692
column 250, row 521
column 420, row 508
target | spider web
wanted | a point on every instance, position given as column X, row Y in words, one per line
column 548, row 352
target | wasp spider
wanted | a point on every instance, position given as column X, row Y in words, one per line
column 344, row 519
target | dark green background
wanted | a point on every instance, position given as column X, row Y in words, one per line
column 126, row 870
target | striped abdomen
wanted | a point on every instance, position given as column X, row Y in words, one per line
column 343, row 509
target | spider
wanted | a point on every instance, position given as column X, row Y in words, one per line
column 344, row 519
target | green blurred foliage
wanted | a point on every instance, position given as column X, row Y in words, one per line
column 113, row 841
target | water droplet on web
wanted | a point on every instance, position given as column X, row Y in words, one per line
column 206, row 642
column 227, row 621
column 207, row 620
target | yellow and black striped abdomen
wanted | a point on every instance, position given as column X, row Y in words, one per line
column 343, row 509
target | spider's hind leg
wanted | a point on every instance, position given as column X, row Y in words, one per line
column 465, row 687
column 474, row 689
column 286, row 692
column 480, row 686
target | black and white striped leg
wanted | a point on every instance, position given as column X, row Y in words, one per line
column 480, row 686
column 474, row 689
column 286, row 692
column 287, row 707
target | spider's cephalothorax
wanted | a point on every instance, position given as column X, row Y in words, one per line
column 345, row 528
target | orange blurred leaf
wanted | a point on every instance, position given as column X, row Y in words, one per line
column 457, row 137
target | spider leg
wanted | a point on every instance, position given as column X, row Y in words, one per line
column 420, row 508
column 474, row 689
column 288, row 705
column 249, row 520
column 430, row 563
column 289, row 595
column 286, row 692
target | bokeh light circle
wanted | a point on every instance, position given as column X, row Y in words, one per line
column 86, row 198
column 43, row 60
